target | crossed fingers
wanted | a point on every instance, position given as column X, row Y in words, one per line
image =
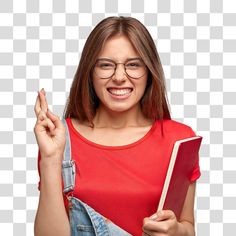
column 41, row 106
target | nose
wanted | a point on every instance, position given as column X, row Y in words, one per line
column 119, row 74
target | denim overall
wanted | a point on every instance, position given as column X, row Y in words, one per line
column 84, row 220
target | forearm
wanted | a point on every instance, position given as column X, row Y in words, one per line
column 51, row 218
column 186, row 228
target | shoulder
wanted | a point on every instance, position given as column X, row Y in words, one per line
column 77, row 129
column 72, row 123
column 69, row 124
column 177, row 129
column 169, row 125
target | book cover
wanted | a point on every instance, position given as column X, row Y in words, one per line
column 183, row 159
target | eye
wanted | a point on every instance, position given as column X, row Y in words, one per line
column 105, row 65
column 133, row 65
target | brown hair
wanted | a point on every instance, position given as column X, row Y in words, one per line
column 83, row 102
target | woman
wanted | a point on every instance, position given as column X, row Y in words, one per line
column 119, row 128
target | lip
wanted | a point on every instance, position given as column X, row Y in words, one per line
column 119, row 96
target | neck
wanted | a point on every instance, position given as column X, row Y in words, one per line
column 117, row 120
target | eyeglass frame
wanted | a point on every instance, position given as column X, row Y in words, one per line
column 117, row 63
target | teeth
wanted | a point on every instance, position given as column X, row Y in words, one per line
column 120, row 92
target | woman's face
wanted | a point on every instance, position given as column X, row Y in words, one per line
column 119, row 92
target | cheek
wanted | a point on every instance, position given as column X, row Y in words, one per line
column 95, row 84
column 98, row 87
column 141, row 87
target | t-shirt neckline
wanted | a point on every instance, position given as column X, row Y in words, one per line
column 101, row 146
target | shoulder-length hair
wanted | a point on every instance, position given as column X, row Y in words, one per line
column 83, row 102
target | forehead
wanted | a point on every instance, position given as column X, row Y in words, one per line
column 118, row 48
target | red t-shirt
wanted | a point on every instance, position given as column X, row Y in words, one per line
column 124, row 183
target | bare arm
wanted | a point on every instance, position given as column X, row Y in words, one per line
column 51, row 218
column 187, row 215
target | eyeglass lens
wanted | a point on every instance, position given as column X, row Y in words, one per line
column 106, row 68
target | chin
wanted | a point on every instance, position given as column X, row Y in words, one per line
column 119, row 108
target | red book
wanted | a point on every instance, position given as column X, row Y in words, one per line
column 183, row 159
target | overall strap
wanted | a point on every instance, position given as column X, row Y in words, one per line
column 68, row 165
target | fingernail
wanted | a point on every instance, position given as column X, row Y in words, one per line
column 153, row 217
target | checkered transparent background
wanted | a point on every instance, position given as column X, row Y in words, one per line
column 40, row 46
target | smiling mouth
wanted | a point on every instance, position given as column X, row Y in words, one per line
column 119, row 92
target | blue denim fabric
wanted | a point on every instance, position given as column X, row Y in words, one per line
column 84, row 220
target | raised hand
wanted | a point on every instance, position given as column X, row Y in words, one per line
column 49, row 130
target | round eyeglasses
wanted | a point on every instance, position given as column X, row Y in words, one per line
column 134, row 68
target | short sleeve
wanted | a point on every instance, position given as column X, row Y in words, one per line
column 196, row 173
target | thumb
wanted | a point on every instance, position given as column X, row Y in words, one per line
column 55, row 119
column 162, row 215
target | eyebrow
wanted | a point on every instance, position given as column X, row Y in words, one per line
column 128, row 59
